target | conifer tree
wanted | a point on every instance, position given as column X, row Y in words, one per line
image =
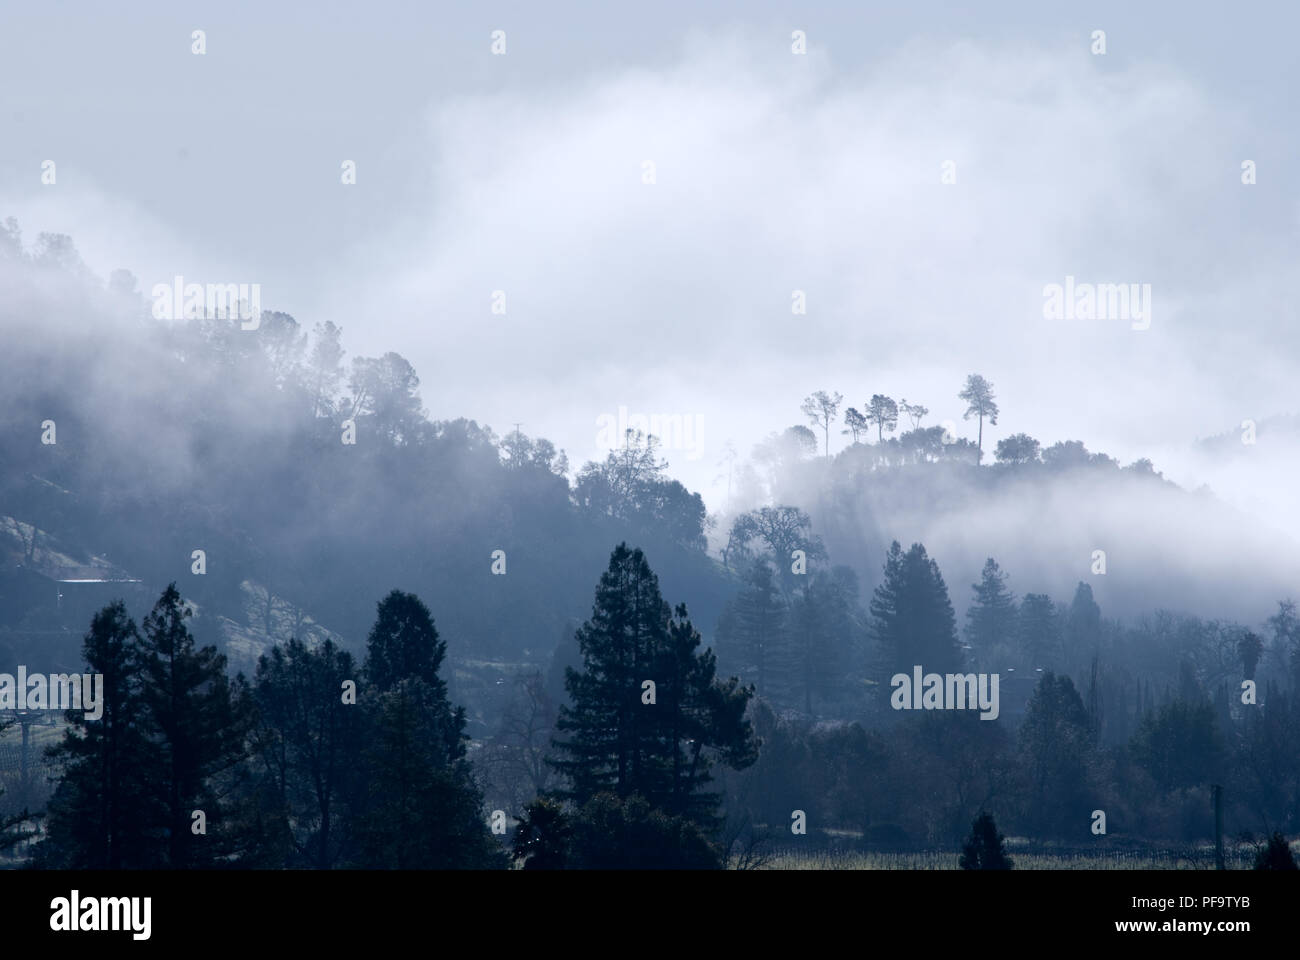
column 984, row 848
column 754, row 630
column 1082, row 628
column 822, row 622
column 701, row 716
column 646, row 709
column 1038, row 631
column 97, row 815
column 912, row 616
column 423, row 809
column 196, row 722
column 308, row 741
column 991, row 618
column 1055, row 744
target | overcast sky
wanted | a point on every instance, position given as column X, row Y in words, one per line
column 773, row 172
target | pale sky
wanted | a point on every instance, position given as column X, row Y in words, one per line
column 773, row 172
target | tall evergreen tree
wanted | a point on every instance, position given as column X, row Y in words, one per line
column 912, row 615
column 823, row 621
column 702, row 716
column 97, row 817
column 752, row 635
column 615, row 739
column 991, row 617
column 1037, row 631
column 609, row 730
column 404, row 643
column 196, row 722
column 423, row 809
column 1082, row 631
column 308, row 744
column 1055, row 744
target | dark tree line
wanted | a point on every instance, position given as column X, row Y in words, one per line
column 318, row 762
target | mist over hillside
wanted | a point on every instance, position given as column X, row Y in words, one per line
column 183, row 435
column 698, row 439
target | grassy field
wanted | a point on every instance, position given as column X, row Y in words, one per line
column 1192, row 858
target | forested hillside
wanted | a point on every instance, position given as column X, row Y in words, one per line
column 286, row 488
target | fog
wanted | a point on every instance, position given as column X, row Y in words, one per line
column 773, row 173
column 518, row 435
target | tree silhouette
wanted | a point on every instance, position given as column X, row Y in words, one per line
column 1249, row 649
column 423, row 809
column 755, row 634
column 914, row 412
column 820, row 409
column 385, row 391
column 308, row 741
column 543, row 836
column 912, row 615
column 984, row 849
column 978, row 394
column 1017, row 448
column 195, row 721
column 855, row 424
column 97, row 816
column 1055, row 744
column 991, row 618
column 628, row 833
column 1037, row 630
column 1276, row 855
column 822, row 622
column 783, row 530
column 616, row 739
column 883, row 412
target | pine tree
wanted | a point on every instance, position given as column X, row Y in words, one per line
column 984, row 848
column 701, row 715
column 912, row 616
column 823, row 620
column 1038, row 631
column 308, row 742
column 1055, row 745
column 195, row 721
column 97, row 815
column 1082, row 628
column 617, row 740
column 403, row 644
column 754, row 633
column 610, row 731
column 991, row 618
column 423, row 809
